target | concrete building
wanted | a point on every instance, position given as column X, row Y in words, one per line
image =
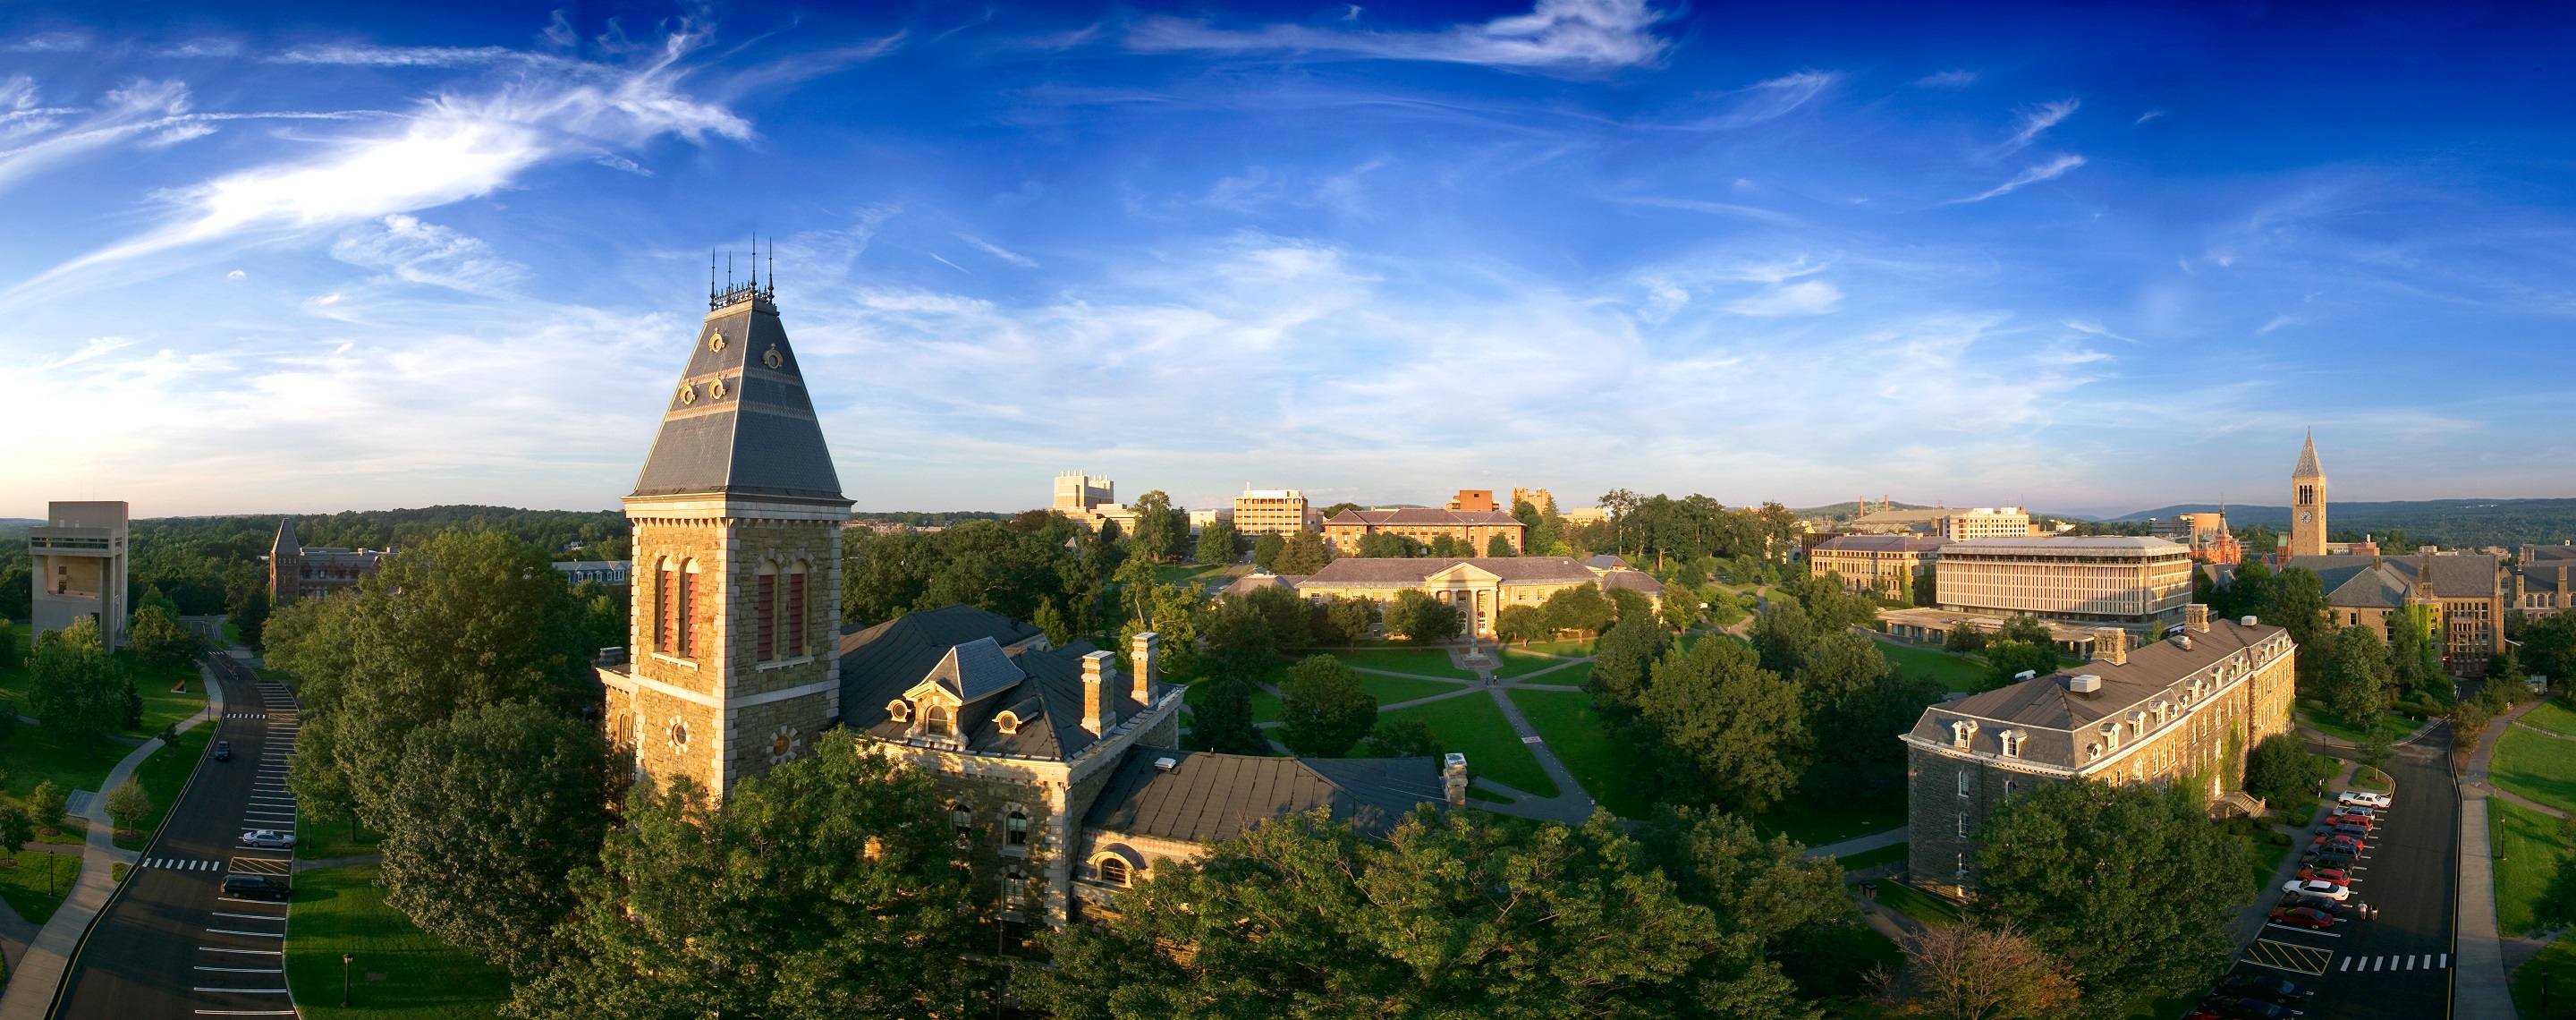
column 2101, row 580
column 2185, row 709
column 1954, row 524
column 738, row 519
column 1539, row 499
column 80, row 566
column 1092, row 501
column 1201, row 519
column 1586, row 515
column 1477, row 528
column 2468, row 592
column 311, row 571
column 1887, row 564
column 1475, row 501
column 2540, row 580
column 2308, row 503
column 1274, row 512
column 1479, row 586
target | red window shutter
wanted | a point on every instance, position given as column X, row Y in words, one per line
column 665, row 613
column 688, row 615
column 795, row 614
column 767, row 612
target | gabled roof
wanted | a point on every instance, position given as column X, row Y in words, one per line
column 2456, row 576
column 1633, row 580
column 1044, row 688
column 1422, row 517
column 1358, row 571
column 975, row 671
column 286, row 541
column 1207, row 797
column 740, row 422
column 2307, row 466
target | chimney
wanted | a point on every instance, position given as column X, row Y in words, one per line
column 2111, row 645
column 1453, row 778
column 1098, row 712
column 1145, row 657
column 2195, row 616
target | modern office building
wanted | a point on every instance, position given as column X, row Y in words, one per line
column 2100, row 580
column 1274, row 512
column 1954, row 524
column 79, row 557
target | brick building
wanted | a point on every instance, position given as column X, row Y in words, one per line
column 1477, row 528
column 2185, row 709
column 1274, row 512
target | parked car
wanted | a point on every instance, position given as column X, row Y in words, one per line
column 2266, row 988
column 2355, row 811
column 2319, row 904
column 2335, row 891
column 2337, row 876
column 2328, row 859
column 2302, row 917
column 2338, row 842
column 2247, row 1009
column 223, row 750
column 2347, row 818
column 268, row 839
column 257, row 887
column 2362, row 798
column 2349, row 829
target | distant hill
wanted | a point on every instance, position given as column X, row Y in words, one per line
column 2449, row 523
column 1848, row 506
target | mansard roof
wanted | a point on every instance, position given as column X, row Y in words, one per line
column 1206, row 797
column 1043, row 689
column 2057, row 715
column 740, row 421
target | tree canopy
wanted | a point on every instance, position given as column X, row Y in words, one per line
column 74, row 686
column 1322, row 709
column 1729, row 728
column 1423, row 619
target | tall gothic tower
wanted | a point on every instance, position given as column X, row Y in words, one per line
column 2308, row 503
column 734, row 662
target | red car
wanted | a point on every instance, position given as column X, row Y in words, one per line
column 2338, row 843
column 2363, row 821
column 2335, row 875
column 2302, row 917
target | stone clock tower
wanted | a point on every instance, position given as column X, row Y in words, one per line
column 733, row 662
column 2308, row 503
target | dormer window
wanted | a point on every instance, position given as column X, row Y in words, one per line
column 1961, row 732
column 1007, row 722
column 899, row 710
column 2111, row 735
column 2092, row 751
column 1113, row 870
column 936, row 722
column 2012, row 741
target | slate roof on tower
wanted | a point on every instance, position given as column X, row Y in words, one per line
column 286, row 541
column 740, row 422
column 2308, row 460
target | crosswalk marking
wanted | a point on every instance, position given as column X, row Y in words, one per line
column 2395, row 961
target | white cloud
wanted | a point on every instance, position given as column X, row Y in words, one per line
column 2035, row 120
column 1809, row 297
column 428, row 253
column 1769, row 100
column 999, row 252
column 204, row 48
column 236, row 275
column 1947, row 80
column 1557, row 34
column 2044, row 172
column 49, row 42
column 399, row 56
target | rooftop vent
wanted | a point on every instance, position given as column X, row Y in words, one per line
column 2084, row 683
column 2246, row 621
column 2182, row 641
column 1166, row 764
column 2027, row 674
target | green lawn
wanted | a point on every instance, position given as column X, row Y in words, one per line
column 2391, row 725
column 321, row 841
column 24, row 886
column 1873, row 858
column 1816, row 821
column 2557, row 956
column 335, row 911
column 2526, row 849
column 164, row 773
column 2537, row 766
column 2551, row 716
column 1519, row 663
column 1577, row 647
column 2267, row 862
column 1613, row 771
column 1474, row 726
column 1917, row 904
column 1953, row 672
column 1417, row 661
column 1391, row 690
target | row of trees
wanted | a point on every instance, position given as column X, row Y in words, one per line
column 1662, row 529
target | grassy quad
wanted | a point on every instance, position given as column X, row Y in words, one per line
column 1265, row 705
column 1392, row 690
column 1817, row 821
column 1613, row 771
column 2552, row 716
column 1416, row 661
column 2537, row 766
column 2526, row 848
column 1956, row 673
column 2526, row 980
column 1474, row 726
column 23, row 885
column 339, row 910
column 2391, row 726
column 1515, row 663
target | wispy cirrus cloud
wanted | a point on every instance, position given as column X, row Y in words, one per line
column 1947, row 80
column 408, row 249
column 1767, row 100
column 1558, row 35
column 2035, row 120
column 999, row 252
column 2048, row 171
column 402, row 56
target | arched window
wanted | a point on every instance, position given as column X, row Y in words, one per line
column 1015, row 827
column 935, row 722
column 1113, row 870
column 899, row 710
column 1007, row 722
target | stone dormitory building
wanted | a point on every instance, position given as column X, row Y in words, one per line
column 306, row 571
column 1058, row 770
column 2184, row 709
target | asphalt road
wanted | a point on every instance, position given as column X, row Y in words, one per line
column 173, row 945
column 2397, row 966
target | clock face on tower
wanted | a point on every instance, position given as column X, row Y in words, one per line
column 2305, row 517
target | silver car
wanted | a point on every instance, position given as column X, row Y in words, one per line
column 268, row 839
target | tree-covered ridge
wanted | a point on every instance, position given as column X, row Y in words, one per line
column 2449, row 523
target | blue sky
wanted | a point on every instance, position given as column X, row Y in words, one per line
column 2099, row 258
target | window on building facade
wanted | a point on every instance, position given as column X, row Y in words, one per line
column 1964, row 782
column 2010, row 788
column 1015, row 828
column 764, row 628
column 1963, row 825
column 666, row 591
column 935, row 722
column 2012, row 741
column 685, row 621
column 1962, row 871
column 1113, row 870
column 899, row 710
column 961, row 817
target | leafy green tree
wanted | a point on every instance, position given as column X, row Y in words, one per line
column 1423, row 619
column 1445, row 545
column 1579, row 608
column 1925, row 588
column 1856, row 705
column 1216, row 544
column 8, row 644
column 152, row 598
column 2468, row 718
column 1175, row 612
column 17, row 828
column 1059, row 633
column 1221, row 719
column 47, row 802
column 1266, row 551
column 1155, row 540
column 2279, row 768
column 820, row 890
column 2549, row 648
column 1728, row 729
column 1620, row 666
column 2132, row 885
column 1290, row 617
column 2358, row 682
column 2296, row 601
column 1399, row 738
column 1967, row 972
column 1322, row 710
column 75, row 687
column 2415, row 654
column 1006, row 568
column 1305, row 553
column 1349, row 619
column 1783, row 635
column 492, row 808
column 1337, row 509
column 1681, row 607
column 1766, row 888
column 159, row 642
column 1629, row 603
column 1238, row 642
column 2006, row 661
column 1964, row 640
column 2026, row 629
column 128, row 805
column 248, row 612
column 1384, row 545
column 1499, row 547
column 2506, row 668
column 1521, row 624
column 1456, row 915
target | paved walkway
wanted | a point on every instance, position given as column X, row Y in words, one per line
column 30, row 994
column 1859, row 844
column 2479, row 991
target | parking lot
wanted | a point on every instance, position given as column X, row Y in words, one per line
column 2392, row 959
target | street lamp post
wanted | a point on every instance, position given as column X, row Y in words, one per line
column 345, row 959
